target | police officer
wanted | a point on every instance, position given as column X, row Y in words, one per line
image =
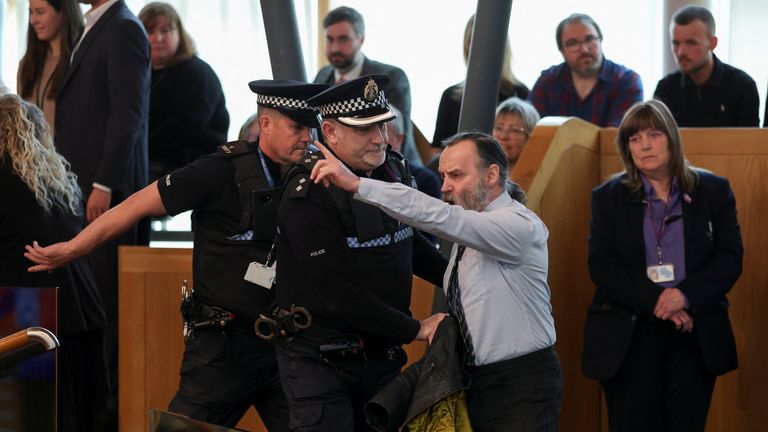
column 351, row 267
column 234, row 194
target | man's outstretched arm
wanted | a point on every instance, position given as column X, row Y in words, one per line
column 111, row 224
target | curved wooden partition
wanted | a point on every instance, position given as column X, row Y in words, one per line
column 564, row 159
column 558, row 169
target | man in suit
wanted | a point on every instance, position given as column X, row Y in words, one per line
column 344, row 37
column 102, row 110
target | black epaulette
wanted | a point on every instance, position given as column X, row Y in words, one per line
column 235, row 148
column 297, row 179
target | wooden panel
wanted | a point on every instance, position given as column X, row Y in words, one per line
column 558, row 169
column 165, row 349
column 151, row 342
column 421, row 307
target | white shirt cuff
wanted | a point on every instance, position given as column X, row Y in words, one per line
column 102, row 187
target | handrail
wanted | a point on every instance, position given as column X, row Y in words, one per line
column 24, row 345
column 40, row 335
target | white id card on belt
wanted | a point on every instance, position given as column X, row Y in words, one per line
column 661, row 273
column 260, row 274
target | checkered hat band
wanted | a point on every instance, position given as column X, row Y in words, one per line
column 385, row 240
column 284, row 102
column 350, row 107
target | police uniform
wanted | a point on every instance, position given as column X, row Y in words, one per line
column 351, row 267
column 234, row 194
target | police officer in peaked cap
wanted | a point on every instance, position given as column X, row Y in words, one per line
column 350, row 266
column 233, row 195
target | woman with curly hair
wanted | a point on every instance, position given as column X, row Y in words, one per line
column 46, row 208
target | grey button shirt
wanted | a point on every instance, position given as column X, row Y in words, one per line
column 503, row 273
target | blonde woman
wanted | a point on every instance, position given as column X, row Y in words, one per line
column 42, row 203
column 447, row 122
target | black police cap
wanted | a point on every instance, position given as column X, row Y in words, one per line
column 358, row 102
column 289, row 97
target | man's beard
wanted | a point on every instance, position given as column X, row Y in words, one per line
column 591, row 70
column 474, row 198
column 340, row 61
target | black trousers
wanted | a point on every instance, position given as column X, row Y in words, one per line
column 663, row 384
column 82, row 382
column 324, row 397
column 521, row 394
column 224, row 373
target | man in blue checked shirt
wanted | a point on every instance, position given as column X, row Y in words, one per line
column 351, row 266
column 586, row 84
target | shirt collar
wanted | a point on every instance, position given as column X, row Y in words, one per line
column 502, row 200
column 649, row 192
column 93, row 15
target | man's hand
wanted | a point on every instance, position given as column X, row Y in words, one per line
column 98, row 203
column 670, row 302
column 683, row 321
column 51, row 257
column 331, row 170
column 428, row 327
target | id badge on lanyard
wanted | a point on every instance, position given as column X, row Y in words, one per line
column 663, row 272
column 260, row 274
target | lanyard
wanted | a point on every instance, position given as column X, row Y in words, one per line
column 663, row 222
column 267, row 174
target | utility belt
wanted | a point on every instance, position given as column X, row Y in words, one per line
column 198, row 315
column 346, row 350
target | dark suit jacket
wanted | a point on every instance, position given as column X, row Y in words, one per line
column 102, row 106
column 713, row 263
column 398, row 93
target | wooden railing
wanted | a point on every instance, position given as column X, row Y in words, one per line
column 24, row 345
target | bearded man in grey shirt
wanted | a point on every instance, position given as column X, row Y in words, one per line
column 496, row 282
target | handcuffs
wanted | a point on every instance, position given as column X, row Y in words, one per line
column 281, row 322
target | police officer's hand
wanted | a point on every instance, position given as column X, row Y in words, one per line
column 428, row 327
column 331, row 170
column 51, row 257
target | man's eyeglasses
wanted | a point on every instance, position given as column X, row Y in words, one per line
column 574, row 44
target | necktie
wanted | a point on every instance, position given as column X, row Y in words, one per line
column 341, row 79
column 455, row 308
